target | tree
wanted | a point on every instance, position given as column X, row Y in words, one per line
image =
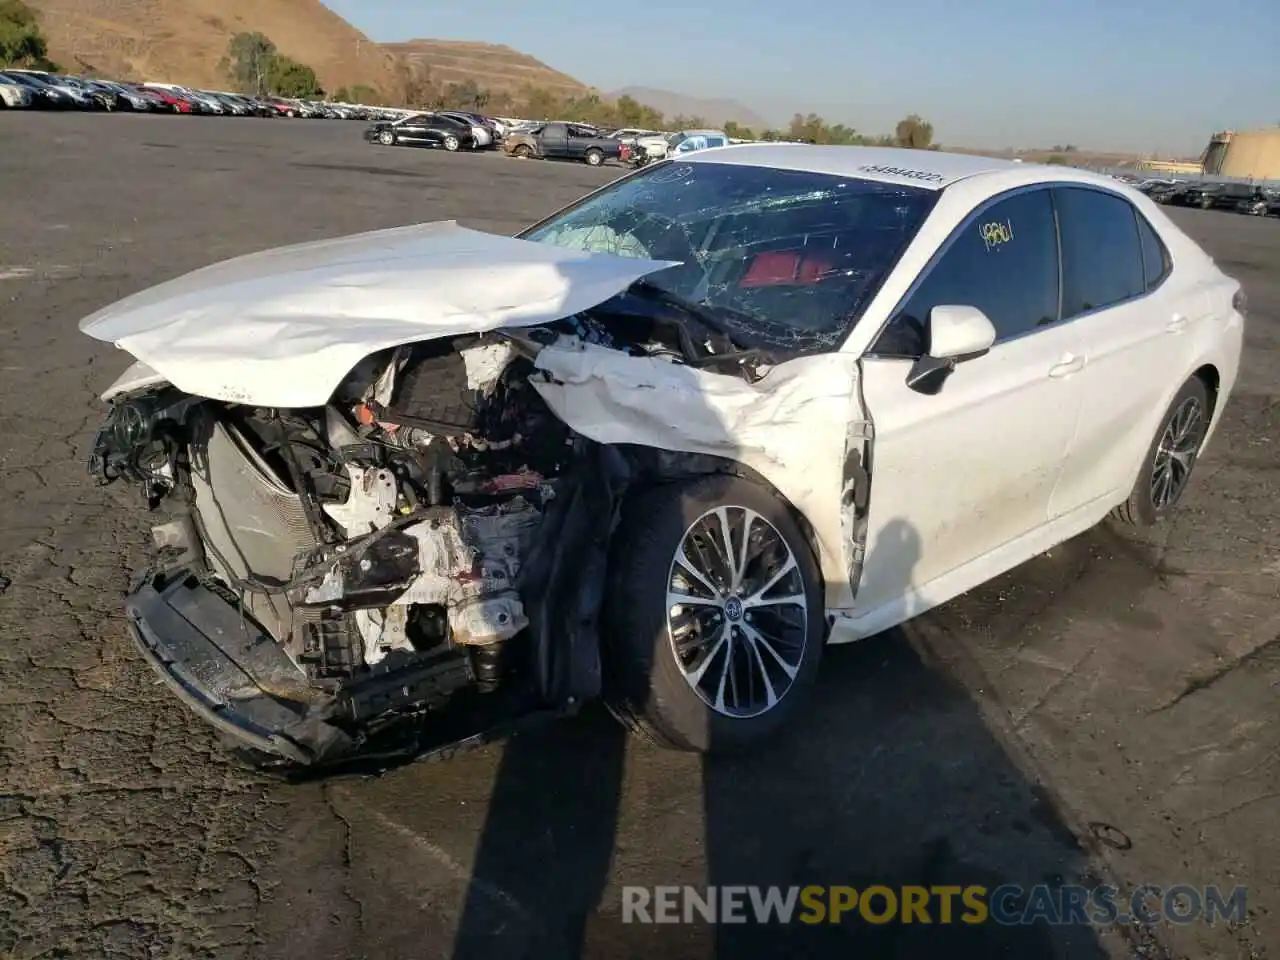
column 466, row 95
column 251, row 58
column 21, row 42
column 289, row 78
column 360, row 93
column 681, row 122
column 914, row 131
column 417, row 88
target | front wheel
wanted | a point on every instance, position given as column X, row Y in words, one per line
column 451, row 143
column 594, row 158
column 522, row 152
column 387, row 138
column 713, row 627
column 1170, row 458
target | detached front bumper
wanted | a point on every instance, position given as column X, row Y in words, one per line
column 227, row 669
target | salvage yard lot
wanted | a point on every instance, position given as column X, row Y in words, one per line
column 1106, row 712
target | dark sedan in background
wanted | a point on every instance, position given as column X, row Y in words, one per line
column 423, row 130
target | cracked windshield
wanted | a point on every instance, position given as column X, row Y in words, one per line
column 785, row 257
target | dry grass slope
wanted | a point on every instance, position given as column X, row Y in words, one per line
column 181, row 41
column 497, row 67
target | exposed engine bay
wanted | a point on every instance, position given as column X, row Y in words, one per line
column 432, row 542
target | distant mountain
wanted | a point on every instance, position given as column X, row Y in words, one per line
column 713, row 111
column 497, row 67
column 183, row 41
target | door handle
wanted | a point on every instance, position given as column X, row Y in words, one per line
column 1176, row 324
column 1068, row 365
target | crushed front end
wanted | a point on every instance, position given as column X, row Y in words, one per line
column 416, row 564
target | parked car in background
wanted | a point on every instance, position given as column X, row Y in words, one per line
column 127, row 98
column 1228, row 196
column 72, row 96
column 423, row 130
column 165, row 99
column 1263, row 203
column 687, row 141
column 1206, row 196
column 43, row 95
column 566, row 141
column 482, row 128
column 13, row 95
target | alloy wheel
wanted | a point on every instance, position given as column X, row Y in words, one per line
column 1176, row 453
column 737, row 613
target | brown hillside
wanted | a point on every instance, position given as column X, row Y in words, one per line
column 499, row 68
column 181, row 41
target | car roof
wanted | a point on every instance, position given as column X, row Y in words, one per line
column 930, row 169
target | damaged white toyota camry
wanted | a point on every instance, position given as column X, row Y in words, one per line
column 426, row 483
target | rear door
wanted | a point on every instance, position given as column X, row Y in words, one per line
column 553, row 140
column 1136, row 326
column 960, row 474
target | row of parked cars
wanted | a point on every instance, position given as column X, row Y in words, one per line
column 39, row 89
column 455, row 130
column 1244, row 198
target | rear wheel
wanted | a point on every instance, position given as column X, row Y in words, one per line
column 450, row 143
column 594, row 157
column 714, row 621
column 1172, row 455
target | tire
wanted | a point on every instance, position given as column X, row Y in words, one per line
column 522, row 152
column 647, row 686
column 594, row 157
column 387, row 138
column 1182, row 429
column 450, row 143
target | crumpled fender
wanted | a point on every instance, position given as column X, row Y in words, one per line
column 791, row 426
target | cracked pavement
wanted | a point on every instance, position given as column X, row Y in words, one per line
column 1104, row 712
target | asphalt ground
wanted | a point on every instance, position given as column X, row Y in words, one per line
column 1103, row 714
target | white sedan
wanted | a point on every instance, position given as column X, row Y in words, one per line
column 661, row 448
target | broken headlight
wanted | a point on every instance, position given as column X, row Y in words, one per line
column 140, row 441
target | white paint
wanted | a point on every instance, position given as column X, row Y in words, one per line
column 283, row 327
column 956, row 331
column 138, row 376
column 16, row 273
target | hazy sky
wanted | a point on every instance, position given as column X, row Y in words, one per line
column 1126, row 74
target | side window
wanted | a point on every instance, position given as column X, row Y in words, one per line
column 1004, row 262
column 1155, row 256
column 1101, row 253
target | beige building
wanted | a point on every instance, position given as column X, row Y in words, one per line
column 1254, row 154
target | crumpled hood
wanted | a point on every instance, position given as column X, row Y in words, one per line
column 284, row 326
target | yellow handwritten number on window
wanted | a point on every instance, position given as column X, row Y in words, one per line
column 995, row 234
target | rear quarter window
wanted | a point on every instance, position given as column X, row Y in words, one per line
column 1156, row 262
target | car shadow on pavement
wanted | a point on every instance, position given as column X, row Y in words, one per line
column 888, row 776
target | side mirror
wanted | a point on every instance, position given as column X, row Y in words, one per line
column 956, row 334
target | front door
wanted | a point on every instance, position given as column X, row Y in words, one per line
column 962, row 473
